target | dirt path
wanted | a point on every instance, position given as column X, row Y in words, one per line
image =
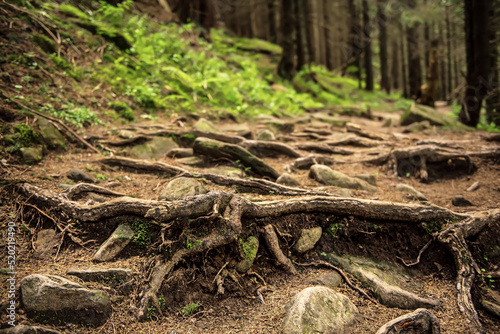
column 351, row 145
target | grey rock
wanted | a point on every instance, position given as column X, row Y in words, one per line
column 288, row 180
column 330, row 177
column 126, row 134
column 225, row 171
column 368, row 178
column 412, row 191
column 278, row 124
column 58, row 300
column 156, row 148
column 23, row 329
column 79, row 175
column 51, row 136
column 417, row 127
column 459, row 200
column 308, row 239
column 118, row 240
column 113, row 276
column 418, row 113
column 32, row 155
column 238, row 130
column 336, row 191
column 46, row 241
column 191, row 161
column 180, row 153
column 181, row 188
column 204, row 125
column 319, row 310
column 266, row 135
column 332, row 280
column 390, row 283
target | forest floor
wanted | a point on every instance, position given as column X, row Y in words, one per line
column 239, row 310
column 84, row 72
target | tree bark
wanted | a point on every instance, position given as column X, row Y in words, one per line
column 414, row 67
column 403, row 64
column 367, row 47
column 444, row 88
column 395, row 70
column 448, row 52
column 382, row 27
column 286, row 68
column 478, row 59
column 355, row 42
column 301, row 28
column 493, row 100
column 327, row 12
column 271, row 12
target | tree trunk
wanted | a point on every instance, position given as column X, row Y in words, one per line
column 315, row 51
column 478, row 59
column 353, row 56
column 320, row 23
column 403, row 64
column 286, row 68
column 448, row 52
column 493, row 100
column 455, row 58
column 271, row 12
column 382, row 26
column 328, row 36
column 301, row 29
column 367, row 47
column 414, row 67
column 395, row 70
column 430, row 89
column 444, row 88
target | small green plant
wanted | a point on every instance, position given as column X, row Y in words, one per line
column 123, row 110
column 192, row 244
column 431, row 227
column 101, row 177
column 151, row 311
column 335, row 228
column 142, row 233
column 190, row 309
column 25, row 135
column 161, row 302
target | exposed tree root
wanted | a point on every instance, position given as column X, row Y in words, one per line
column 454, row 237
column 269, row 148
column 353, row 140
column 80, row 188
column 324, row 148
column 274, row 247
column 244, row 185
column 419, row 321
column 229, row 227
column 307, row 162
column 344, row 276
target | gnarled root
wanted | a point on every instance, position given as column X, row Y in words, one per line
column 420, row 321
column 229, row 232
column 274, row 247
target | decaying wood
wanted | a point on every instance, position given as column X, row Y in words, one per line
column 419, row 321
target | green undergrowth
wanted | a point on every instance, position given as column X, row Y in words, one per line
column 165, row 69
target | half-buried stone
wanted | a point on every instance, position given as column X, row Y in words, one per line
column 57, row 300
column 118, row 240
column 182, row 187
column 330, row 177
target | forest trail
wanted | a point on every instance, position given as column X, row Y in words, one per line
column 145, row 157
